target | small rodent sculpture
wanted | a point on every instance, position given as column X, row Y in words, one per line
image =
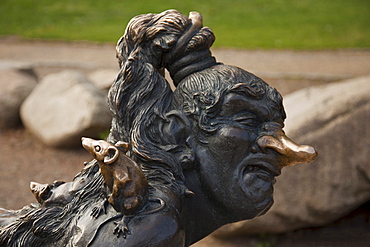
column 127, row 184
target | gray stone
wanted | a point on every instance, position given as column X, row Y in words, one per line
column 16, row 83
column 17, row 65
column 64, row 107
column 335, row 120
column 103, row 78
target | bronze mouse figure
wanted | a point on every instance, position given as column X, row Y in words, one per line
column 127, row 184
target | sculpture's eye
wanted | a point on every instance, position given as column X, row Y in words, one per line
column 97, row 148
column 246, row 119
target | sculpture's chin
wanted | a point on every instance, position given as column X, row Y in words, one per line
column 269, row 204
column 258, row 188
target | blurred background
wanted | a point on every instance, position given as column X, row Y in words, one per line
column 315, row 52
column 268, row 24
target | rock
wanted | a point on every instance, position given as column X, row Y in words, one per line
column 22, row 66
column 16, row 83
column 335, row 120
column 64, row 107
column 104, row 78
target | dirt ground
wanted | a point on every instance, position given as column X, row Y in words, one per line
column 24, row 159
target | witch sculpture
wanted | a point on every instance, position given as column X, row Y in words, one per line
column 177, row 164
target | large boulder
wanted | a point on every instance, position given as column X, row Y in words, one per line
column 64, row 107
column 335, row 119
column 16, row 83
column 103, row 78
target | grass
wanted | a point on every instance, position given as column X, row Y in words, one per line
column 270, row 24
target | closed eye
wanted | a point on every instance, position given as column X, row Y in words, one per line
column 246, row 119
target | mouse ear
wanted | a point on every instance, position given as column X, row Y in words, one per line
column 111, row 155
column 123, row 145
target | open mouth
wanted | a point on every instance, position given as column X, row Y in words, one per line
column 263, row 171
column 257, row 179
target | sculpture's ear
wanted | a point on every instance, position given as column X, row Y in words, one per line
column 111, row 155
column 123, row 145
column 177, row 127
column 177, row 130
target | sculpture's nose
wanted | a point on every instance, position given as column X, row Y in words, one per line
column 291, row 152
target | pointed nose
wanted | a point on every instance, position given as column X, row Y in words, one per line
column 291, row 153
column 85, row 142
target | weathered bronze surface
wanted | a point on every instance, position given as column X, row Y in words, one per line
column 178, row 164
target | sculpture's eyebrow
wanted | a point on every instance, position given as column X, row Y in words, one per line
column 236, row 102
column 254, row 89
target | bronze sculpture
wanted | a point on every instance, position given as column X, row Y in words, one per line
column 210, row 150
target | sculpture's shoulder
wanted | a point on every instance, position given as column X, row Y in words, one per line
column 162, row 229
column 157, row 224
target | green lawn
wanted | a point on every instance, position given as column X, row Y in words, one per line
column 299, row 24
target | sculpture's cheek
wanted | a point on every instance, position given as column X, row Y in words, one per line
column 230, row 145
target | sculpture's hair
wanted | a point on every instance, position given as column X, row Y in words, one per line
column 140, row 97
column 51, row 226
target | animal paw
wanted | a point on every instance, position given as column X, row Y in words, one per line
column 98, row 210
column 121, row 228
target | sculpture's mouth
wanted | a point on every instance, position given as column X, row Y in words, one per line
column 261, row 170
column 256, row 179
